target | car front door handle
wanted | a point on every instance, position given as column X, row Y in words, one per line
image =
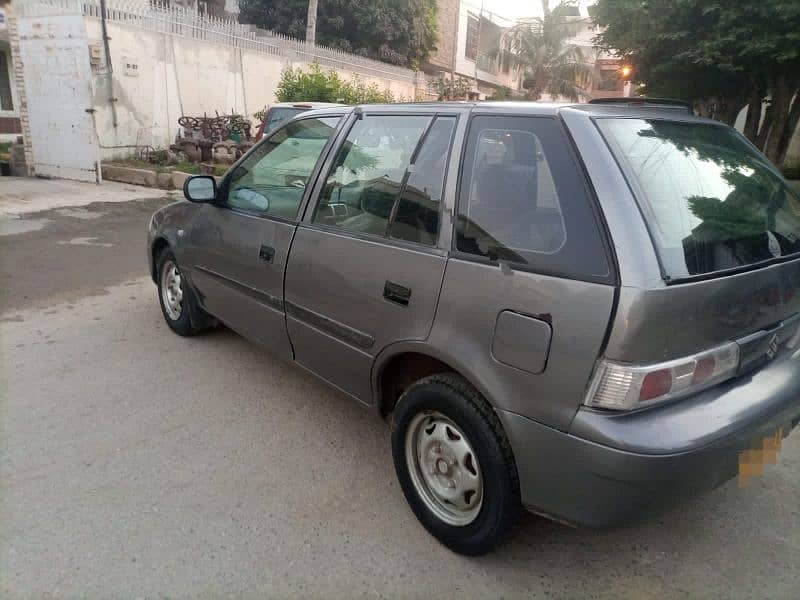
column 267, row 254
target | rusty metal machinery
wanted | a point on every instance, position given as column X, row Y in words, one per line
column 221, row 138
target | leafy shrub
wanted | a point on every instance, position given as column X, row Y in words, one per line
column 314, row 85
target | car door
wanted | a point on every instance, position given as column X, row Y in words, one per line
column 364, row 269
column 238, row 246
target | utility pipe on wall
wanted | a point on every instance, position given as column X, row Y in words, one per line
column 109, row 68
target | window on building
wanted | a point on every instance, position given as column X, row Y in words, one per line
column 6, row 100
column 473, row 33
column 610, row 81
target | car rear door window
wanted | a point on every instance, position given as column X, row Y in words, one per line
column 416, row 218
column 523, row 199
column 388, row 176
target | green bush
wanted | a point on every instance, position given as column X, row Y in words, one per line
column 314, row 85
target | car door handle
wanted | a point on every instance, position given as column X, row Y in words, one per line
column 267, row 254
column 394, row 292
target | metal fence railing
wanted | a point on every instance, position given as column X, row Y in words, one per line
column 189, row 24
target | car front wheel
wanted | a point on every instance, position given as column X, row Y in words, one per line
column 174, row 297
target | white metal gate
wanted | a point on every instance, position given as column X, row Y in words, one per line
column 54, row 53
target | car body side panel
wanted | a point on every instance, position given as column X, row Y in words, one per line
column 474, row 294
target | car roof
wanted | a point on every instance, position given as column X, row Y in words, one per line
column 524, row 108
column 309, row 105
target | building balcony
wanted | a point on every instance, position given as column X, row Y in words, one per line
column 487, row 63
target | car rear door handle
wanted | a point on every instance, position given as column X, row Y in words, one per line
column 394, row 292
column 267, row 254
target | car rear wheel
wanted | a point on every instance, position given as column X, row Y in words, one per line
column 455, row 464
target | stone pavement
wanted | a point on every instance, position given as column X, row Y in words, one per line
column 21, row 195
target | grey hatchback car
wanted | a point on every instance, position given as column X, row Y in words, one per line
column 587, row 311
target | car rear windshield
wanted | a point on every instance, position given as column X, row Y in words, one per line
column 712, row 201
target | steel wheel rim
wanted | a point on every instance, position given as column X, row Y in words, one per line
column 444, row 468
column 171, row 291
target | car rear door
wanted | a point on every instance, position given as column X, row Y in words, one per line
column 364, row 269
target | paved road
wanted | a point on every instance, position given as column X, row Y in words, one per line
column 138, row 464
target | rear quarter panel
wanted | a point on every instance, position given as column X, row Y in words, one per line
column 472, row 297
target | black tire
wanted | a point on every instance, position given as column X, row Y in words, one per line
column 452, row 396
column 192, row 319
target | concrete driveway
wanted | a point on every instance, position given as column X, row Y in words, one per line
column 137, row 464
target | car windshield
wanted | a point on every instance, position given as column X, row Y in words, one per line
column 278, row 114
column 712, row 202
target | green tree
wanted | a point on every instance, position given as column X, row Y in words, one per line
column 401, row 32
column 719, row 55
column 541, row 48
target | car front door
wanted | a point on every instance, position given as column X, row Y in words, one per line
column 364, row 269
column 238, row 246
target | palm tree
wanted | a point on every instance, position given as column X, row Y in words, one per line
column 550, row 64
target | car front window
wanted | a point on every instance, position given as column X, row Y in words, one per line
column 273, row 177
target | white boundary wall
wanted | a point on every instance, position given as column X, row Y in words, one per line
column 168, row 61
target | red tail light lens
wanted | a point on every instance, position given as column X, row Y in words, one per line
column 655, row 384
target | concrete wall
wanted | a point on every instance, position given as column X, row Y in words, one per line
column 157, row 77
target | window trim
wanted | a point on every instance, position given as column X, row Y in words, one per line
column 312, row 204
column 221, row 201
column 611, row 278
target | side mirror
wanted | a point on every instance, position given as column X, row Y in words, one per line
column 200, row 188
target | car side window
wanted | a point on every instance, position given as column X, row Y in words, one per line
column 522, row 198
column 416, row 218
column 272, row 179
column 387, row 177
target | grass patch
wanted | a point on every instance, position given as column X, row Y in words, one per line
column 185, row 167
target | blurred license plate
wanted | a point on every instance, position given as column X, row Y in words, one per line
column 763, row 452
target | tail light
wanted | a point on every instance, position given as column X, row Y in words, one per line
column 618, row 386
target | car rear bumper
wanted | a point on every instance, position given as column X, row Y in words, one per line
column 611, row 469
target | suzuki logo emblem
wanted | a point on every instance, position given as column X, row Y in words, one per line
column 772, row 349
